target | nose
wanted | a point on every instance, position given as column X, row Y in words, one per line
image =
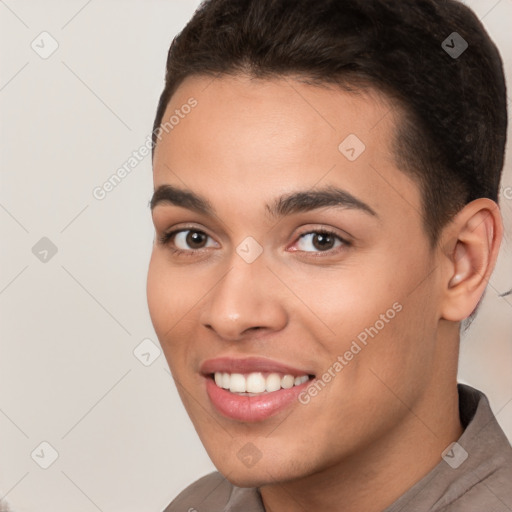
column 246, row 299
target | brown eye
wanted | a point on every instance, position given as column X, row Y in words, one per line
column 319, row 241
column 196, row 239
column 187, row 240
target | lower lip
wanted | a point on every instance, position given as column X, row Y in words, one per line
column 252, row 408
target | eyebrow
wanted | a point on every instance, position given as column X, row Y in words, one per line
column 295, row 202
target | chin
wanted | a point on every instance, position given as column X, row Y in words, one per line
column 247, row 479
column 261, row 473
column 256, row 478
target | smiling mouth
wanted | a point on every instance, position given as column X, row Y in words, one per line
column 257, row 383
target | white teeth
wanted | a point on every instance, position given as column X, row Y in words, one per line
column 299, row 380
column 287, row 381
column 256, row 383
column 273, row 382
column 237, row 383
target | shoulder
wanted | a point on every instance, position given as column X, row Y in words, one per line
column 474, row 473
column 484, row 485
column 482, row 476
column 493, row 493
column 212, row 491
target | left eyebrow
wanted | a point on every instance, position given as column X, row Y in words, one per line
column 295, row 202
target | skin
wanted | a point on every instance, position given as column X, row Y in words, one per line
column 382, row 422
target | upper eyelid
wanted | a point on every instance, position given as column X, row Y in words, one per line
column 175, row 231
column 344, row 236
column 326, row 231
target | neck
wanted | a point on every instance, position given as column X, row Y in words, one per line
column 391, row 465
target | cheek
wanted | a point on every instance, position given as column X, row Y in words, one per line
column 388, row 349
column 378, row 317
column 173, row 296
column 353, row 300
column 168, row 297
column 156, row 294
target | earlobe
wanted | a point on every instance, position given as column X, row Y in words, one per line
column 478, row 231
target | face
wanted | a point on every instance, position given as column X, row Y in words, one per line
column 291, row 283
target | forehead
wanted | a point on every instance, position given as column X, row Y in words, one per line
column 258, row 137
column 281, row 110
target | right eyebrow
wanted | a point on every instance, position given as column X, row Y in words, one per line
column 167, row 194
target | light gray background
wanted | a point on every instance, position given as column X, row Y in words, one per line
column 68, row 375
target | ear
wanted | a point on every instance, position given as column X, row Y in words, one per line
column 471, row 244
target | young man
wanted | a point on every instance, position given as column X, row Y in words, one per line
column 326, row 178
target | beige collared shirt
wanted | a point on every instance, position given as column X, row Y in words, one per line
column 475, row 474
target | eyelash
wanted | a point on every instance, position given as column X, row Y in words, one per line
column 166, row 238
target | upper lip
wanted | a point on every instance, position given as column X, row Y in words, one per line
column 249, row 365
